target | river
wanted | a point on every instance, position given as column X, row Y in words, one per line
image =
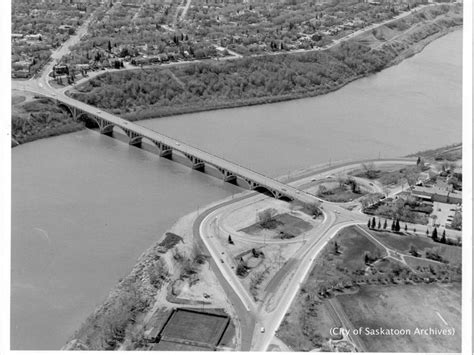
column 85, row 206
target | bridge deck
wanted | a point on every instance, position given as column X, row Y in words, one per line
column 186, row 149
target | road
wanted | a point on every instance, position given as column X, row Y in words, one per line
column 284, row 286
column 281, row 293
column 64, row 49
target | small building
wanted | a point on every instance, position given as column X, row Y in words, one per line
column 61, row 69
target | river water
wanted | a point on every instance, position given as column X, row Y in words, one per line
column 85, row 206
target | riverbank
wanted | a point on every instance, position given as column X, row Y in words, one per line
column 36, row 118
column 154, row 296
column 257, row 80
column 365, row 61
column 172, row 273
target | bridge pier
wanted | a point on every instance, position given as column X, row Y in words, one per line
column 197, row 163
column 165, row 151
column 106, row 129
column 252, row 184
column 134, row 139
column 227, row 175
column 277, row 194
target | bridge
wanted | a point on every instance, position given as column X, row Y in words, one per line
column 168, row 146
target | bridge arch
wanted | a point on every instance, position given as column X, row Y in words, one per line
column 119, row 128
column 285, row 198
column 149, row 141
column 89, row 120
column 66, row 108
column 263, row 190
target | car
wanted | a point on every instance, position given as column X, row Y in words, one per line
column 337, row 212
column 313, row 179
column 178, row 144
column 222, row 261
column 262, row 330
column 371, row 184
column 99, row 111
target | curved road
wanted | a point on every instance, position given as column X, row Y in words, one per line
column 284, row 286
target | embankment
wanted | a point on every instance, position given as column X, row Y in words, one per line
column 247, row 81
column 250, row 81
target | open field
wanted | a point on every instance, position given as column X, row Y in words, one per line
column 312, row 332
column 306, row 325
column 282, row 225
column 402, row 243
column 407, row 307
column 354, row 245
column 340, row 194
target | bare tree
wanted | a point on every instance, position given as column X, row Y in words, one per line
column 369, row 170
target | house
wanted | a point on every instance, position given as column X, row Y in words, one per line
column 60, row 69
column 435, row 194
column 66, row 29
column 22, row 66
column 34, row 37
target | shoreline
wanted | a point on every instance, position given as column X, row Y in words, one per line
column 187, row 222
column 414, row 49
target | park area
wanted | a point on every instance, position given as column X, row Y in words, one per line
column 408, row 244
column 283, row 226
column 428, row 307
column 356, row 271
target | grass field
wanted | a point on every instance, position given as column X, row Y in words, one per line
column 311, row 332
column 407, row 307
column 340, row 195
column 196, row 327
column 402, row 242
column 354, row 244
column 284, row 224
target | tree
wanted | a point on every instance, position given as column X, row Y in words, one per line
column 369, row 170
column 373, row 223
column 314, row 208
column 385, row 224
column 109, row 46
column 397, row 225
column 230, row 240
column 379, row 225
column 434, row 235
column 336, row 248
column 457, row 221
column 413, row 251
column 406, row 228
column 414, row 229
column 369, row 224
column 393, row 226
column 443, row 237
column 427, row 232
column 266, row 216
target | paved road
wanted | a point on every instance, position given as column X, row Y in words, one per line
column 284, row 286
